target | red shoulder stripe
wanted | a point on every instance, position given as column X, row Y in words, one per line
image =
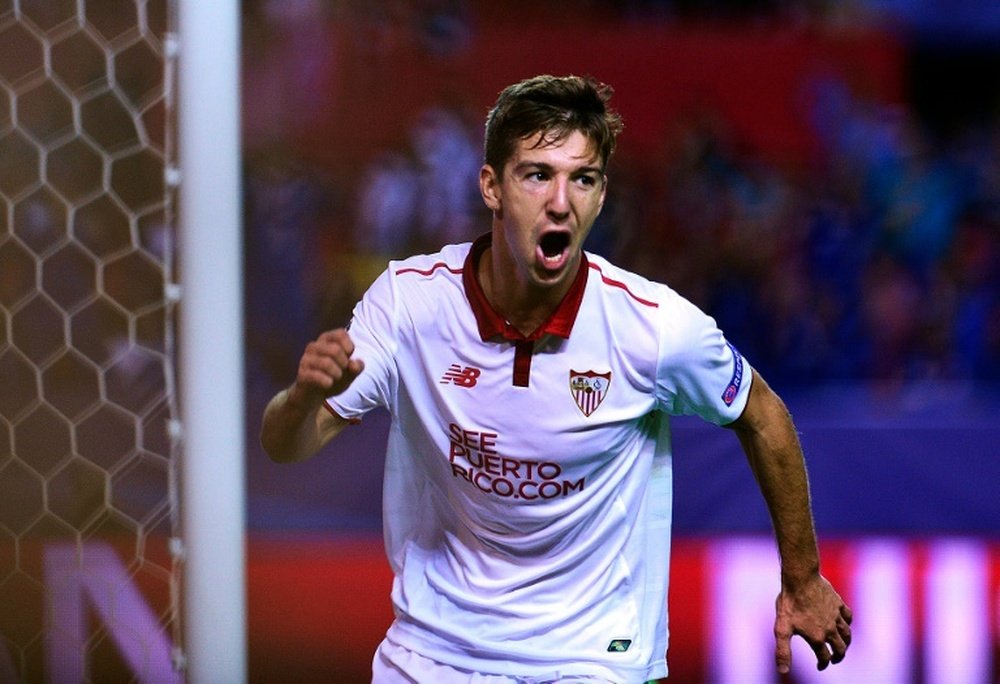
column 619, row 284
column 429, row 271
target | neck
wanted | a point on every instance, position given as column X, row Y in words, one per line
column 523, row 306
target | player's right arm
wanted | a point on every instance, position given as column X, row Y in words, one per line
column 296, row 424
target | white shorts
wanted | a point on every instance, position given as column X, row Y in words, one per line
column 394, row 664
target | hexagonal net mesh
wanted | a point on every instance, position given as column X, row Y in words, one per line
column 88, row 584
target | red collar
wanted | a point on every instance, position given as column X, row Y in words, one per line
column 492, row 324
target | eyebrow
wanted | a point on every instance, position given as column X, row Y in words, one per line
column 542, row 166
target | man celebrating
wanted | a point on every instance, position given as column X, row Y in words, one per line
column 527, row 500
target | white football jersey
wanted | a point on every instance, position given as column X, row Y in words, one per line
column 527, row 497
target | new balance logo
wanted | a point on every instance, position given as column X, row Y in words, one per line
column 463, row 377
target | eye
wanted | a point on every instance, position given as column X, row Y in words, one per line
column 587, row 180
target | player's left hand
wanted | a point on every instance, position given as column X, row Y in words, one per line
column 814, row 611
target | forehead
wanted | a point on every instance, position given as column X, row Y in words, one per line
column 545, row 147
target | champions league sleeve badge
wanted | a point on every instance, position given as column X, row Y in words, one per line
column 589, row 389
column 733, row 388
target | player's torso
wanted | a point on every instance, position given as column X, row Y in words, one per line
column 519, row 510
column 555, row 448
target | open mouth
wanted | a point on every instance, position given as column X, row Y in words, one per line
column 553, row 245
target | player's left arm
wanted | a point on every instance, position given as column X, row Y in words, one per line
column 808, row 605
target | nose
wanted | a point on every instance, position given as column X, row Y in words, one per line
column 558, row 205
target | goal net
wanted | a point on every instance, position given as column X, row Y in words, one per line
column 89, row 574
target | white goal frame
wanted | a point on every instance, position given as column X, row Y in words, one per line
column 211, row 375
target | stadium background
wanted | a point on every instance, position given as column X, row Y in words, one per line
column 823, row 177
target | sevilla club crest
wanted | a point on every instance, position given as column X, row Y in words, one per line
column 589, row 389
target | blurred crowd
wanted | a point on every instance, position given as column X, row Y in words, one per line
column 876, row 260
column 879, row 261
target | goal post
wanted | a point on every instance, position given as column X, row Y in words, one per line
column 122, row 551
column 211, row 378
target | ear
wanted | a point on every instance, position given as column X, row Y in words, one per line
column 604, row 193
column 489, row 187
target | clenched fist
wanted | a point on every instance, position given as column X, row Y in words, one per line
column 325, row 369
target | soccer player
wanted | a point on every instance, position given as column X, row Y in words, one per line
column 527, row 497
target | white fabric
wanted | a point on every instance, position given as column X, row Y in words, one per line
column 525, row 535
column 394, row 664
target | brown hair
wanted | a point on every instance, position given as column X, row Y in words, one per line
column 555, row 107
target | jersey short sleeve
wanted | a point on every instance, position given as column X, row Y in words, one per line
column 374, row 332
column 699, row 372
